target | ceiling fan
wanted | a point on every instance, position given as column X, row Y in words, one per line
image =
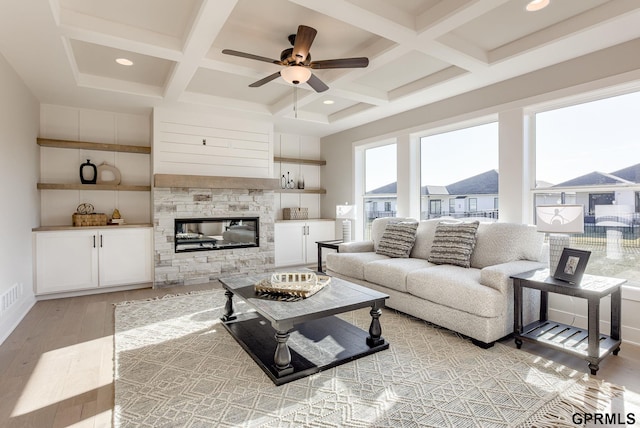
column 297, row 61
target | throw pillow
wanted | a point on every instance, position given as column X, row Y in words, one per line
column 454, row 243
column 398, row 239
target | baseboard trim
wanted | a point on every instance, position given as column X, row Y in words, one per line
column 7, row 326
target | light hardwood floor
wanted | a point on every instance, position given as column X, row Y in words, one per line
column 56, row 368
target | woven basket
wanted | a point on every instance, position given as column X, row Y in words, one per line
column 89, row 219
column 295, row 213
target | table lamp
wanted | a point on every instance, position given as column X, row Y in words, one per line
column 346, row 213
column 558, row 221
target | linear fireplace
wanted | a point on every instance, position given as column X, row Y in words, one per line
column 207, row 234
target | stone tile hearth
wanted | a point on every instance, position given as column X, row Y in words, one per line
column 199, row 267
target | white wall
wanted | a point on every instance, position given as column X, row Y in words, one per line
column 605, row 72
column 19, row 112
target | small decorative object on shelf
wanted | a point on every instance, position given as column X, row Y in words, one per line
column 295, row 213
column 93, row 173
column 293, row 284
column 108, row 174
column 290, row 183
column 84, row 216
column 116, row 218
column 301, row 182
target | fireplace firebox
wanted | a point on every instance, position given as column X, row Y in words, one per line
column 208, row 234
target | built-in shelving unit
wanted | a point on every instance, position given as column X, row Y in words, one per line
column 76, row 186
column 67, row 144
column 302, row 161
column 85, row 145
column 312, row 191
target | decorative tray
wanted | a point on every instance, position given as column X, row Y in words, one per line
column 296, row 284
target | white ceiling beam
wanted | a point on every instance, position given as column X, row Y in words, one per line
column 360, row 17
column 445, row 16
column 571, row 27
column 427, row 82
column 349, row 112
column 99, row 31
column 207, row 24
column 116, row 85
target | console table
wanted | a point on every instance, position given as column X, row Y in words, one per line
column 588, row 344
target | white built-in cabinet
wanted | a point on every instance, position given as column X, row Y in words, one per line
column 88, row 258
column 295, row 241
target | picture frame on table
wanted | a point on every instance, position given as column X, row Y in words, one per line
column 572, row 265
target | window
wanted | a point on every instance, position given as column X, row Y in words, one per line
column 435, row 207
column 587, row 154
column 381, row 178
column 458, row 165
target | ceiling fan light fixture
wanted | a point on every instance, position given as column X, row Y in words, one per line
column 295, row 74
column 535, row 5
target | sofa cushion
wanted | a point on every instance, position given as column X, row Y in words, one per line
column 379, row 225
column 454, row 243
column 351, row 264
column 506, row 242
column 392, row 273
column 397, row 239
column 457, row 288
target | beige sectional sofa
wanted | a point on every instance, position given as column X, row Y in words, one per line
column 475, row 301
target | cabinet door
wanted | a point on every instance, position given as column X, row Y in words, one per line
column 125, row 256
column 65, row 261
column 318, row 231
column 289, row 243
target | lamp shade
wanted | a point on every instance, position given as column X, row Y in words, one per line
column 346, row 212
column 560, row 218
column 295, row 74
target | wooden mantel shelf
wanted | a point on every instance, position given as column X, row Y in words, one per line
column 215, row 182
column 66, row 144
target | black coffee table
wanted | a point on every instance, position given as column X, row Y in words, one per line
column 291, row 340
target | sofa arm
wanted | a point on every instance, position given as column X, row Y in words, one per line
column 497, row 276
column 356, row 247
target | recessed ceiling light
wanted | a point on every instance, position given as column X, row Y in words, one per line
column 328, row 102
column 535, row 5
column 124, row 61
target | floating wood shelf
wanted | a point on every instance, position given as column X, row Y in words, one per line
column 66, row 144
column 302, row 161
column 314, row 191
column 76, row 186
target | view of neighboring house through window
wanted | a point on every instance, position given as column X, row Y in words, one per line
column 380, row 199
column 459, row 173
column 588, row 154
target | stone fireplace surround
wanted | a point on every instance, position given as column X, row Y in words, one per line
column 177, row 196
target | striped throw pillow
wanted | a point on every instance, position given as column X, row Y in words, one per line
column 398, row 239
column 453, row 243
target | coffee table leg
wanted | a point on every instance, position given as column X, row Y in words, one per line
column 282, row 356
column 228, row 307
column 375, row 331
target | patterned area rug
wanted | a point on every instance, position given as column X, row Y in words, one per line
column 176, row 366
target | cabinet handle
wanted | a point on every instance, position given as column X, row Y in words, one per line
column 100, row 241
column 94, row 241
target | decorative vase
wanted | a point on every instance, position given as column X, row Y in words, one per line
column 301, row 182
column 94, row 173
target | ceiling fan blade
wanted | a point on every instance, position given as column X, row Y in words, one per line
column 360, row 62
column 317, row 84
column 250, row 56
column 265, row 80
column 304, row 38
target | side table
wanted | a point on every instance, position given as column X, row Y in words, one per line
column 333, row 244
column 590, row 344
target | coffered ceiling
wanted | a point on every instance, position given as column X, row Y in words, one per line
column 420, row 51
